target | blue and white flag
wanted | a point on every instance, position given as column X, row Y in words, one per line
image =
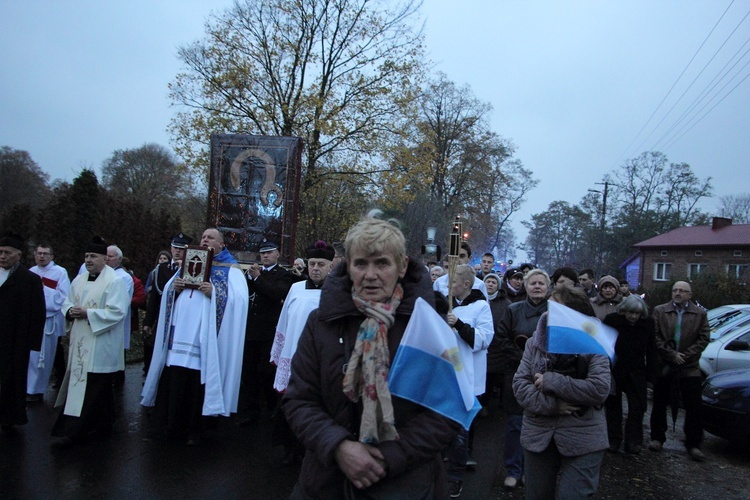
column 570, row 332
column 427, row 368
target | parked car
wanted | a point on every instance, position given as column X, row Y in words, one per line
column 726, row 405
column 729, row 351
column 722, row 319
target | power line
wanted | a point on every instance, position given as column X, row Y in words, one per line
column 627, row 149
column 694, row 80
column 707, row 112
column 709, row 87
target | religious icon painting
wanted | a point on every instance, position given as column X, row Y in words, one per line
column 197, row 268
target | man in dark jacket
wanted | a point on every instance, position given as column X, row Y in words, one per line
column 161, row 275
column 682, row 333
column 268, row 284
column 22, row 317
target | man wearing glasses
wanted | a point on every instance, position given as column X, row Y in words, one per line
column 56, row 288
column 682, row 333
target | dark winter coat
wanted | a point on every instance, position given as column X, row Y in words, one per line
column 512, row 295
column 322, row 416
column 267, row 294
column 635, row 351
column 519, row 319
column 498, row 305
column 159, row 278
column 22, row 317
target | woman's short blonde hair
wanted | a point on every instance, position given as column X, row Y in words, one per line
column 375, row 236
column 535, row 272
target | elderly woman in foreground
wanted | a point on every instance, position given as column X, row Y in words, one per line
column 564, row 430
column 359, row 439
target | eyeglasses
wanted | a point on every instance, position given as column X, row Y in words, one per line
column 680, row 290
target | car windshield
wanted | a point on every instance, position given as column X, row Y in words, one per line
column 723, row 320
column 742, row 321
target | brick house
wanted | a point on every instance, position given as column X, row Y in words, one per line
column 686, row 251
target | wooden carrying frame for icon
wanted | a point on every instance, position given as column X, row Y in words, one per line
column 254, row 192
column 197, row 267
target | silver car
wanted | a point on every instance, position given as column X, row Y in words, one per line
column 730, row 351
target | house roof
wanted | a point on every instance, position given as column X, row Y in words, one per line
column 701, row 236
column 630, row 259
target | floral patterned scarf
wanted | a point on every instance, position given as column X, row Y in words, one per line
column 367, row 372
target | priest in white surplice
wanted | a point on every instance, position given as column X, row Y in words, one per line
column 56, row 287
column 197, row 362
column 303, row 298
column 93, row 310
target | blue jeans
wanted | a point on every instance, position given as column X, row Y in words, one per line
column 512, row 452
column 579, row 476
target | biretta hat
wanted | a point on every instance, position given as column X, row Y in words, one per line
column 97, row 245
column 11, row 239
column 320, row 250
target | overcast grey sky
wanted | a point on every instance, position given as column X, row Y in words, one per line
column 572, row 83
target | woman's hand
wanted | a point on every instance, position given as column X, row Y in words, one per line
column 565, row 408
column 539, row 381
column 363, row 464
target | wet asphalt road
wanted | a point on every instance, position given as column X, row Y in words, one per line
column 232, row 462
column 239, row 462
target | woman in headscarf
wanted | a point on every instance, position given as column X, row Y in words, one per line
column 360, row 440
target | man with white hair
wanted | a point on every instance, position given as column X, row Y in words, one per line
column 114, row 260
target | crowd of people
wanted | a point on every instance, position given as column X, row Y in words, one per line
column 312, row 347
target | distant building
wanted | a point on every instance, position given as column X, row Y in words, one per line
column 688, row 251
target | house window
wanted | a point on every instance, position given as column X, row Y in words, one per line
column 737, row 253
column 664, row 253
column 738, row 271
column 662, row 271
column 695, row 269
column 699, row 253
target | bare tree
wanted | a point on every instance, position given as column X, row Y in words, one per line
column 450, row 160
column 736, row 207
column 333, row 73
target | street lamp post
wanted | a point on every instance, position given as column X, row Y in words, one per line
column 602, row 222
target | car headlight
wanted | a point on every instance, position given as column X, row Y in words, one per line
column 718, row 393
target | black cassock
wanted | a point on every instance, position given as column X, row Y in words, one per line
column 22, row 316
